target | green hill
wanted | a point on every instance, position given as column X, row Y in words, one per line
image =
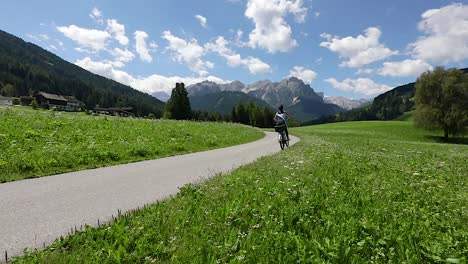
column 387, row 106
column 29, row 69
column 224, row 101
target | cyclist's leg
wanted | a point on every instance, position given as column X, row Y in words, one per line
column 287, row 132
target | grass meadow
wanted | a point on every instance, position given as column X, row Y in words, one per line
column 358, row 192
column 37, row 143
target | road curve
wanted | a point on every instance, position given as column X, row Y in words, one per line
column 37, row 211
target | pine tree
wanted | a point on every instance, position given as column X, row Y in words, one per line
column 178, row 106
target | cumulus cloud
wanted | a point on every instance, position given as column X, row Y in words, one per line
column 118, row 31
column 93, row 39
column 360, row 50
column 446, row 35
column 302, row 73
column 365, row 71
column 96, row 15
column 406, row 68
column 121, row 55
column 189, row 53
column 202, row 20
column 271, row 31
column 141, row 46
column 361, row 85
column 254, row 65
column 105, row 69
column 150, row 84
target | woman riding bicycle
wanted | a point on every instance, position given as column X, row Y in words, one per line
column 280, row 119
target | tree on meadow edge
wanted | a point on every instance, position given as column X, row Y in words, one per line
column 442, row 101
column 178, row 106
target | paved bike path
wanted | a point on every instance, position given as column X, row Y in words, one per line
column 37, row 211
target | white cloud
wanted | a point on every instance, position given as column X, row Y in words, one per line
column 365, row 71
column 122, row 55
column 150, row 84
column 202, row 20
column 406, row 68
column 52, row 47
column 361, row 85
column 254, row 65
column 360, row 50
column 188, row 52
column 96, row 15
column 302, row 73
column 141, row 46
column 93, row 39
column 118, row 30
column 446, row 36
column 105, row 69
column 317, row 14
column 159, row 83
column 44, row 36
column 271, row 31
column 34, row 37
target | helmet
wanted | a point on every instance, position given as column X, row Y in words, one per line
column 281, row 108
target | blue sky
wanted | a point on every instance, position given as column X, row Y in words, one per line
column 356, row 49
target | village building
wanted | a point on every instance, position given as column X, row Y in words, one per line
column 6, row 100
column 73, row 104
column 60, row 102
column 26, row 100
column 116, row 111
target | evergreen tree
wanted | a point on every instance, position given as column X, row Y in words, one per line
column 178, row 106
column 242, row 114
column 442, row 101
column 267, row 117
column 234, row 117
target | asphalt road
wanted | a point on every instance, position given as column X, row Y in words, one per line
column 37, row 211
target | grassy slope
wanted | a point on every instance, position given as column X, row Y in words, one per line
column 407, row 116
column 38, row 143
column 347, row 193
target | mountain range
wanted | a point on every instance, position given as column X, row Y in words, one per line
column 298, row 98
column 224, row 101
column 346, row 103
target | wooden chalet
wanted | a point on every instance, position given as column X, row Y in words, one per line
column 60, row 102
column 116, row 111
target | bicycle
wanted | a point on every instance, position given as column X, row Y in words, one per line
column 282, row 138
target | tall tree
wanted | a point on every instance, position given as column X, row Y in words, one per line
column 442, row 101
column 242, row 114
column 8, row 90
column 178, row 106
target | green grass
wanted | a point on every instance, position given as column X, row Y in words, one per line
column 407, row 116
column 359, row 192
column 37, row 143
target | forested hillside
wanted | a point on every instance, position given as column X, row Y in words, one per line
column 26, row 69
column 387, row 106
column 224, row 101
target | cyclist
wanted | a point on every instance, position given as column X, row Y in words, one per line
column 280, row 119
